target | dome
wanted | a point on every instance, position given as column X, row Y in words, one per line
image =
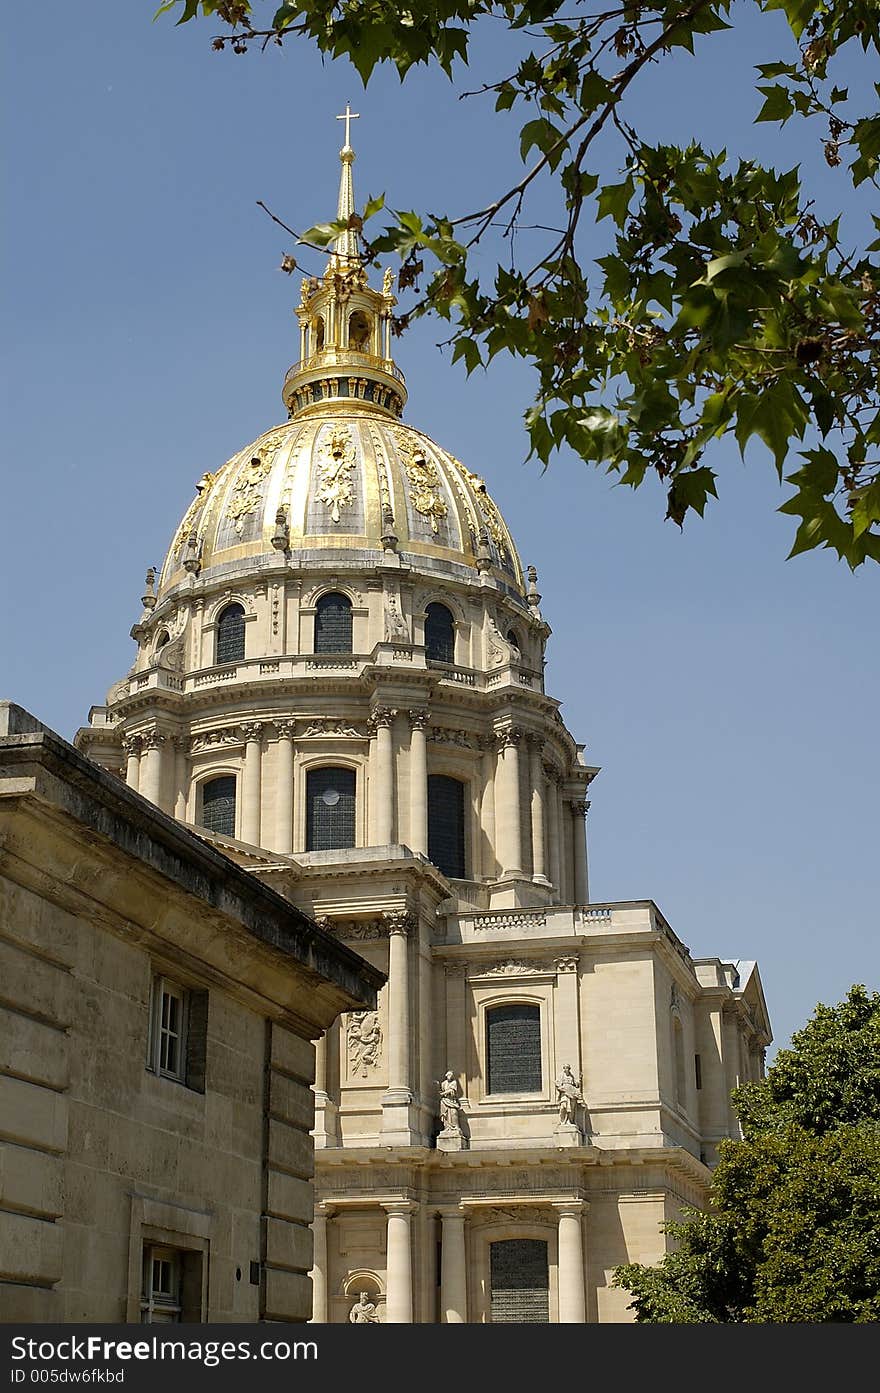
column 342, row 483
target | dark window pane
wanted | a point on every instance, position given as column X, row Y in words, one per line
column 230, row 635
column 439, row 634
column 333, row 624
column 330, row 814
column 519, row 1278
column 218, row 805
column 514, row 1048
column 446, row 824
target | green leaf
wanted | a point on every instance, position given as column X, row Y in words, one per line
column 374, row 205
column 614, row 201
column 777, row 104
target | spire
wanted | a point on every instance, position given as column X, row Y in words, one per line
column 346, row 247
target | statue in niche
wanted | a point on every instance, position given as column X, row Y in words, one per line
column 364, row 1312
column 450, row 1102
column 568, row 1094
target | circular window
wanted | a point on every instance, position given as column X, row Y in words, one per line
column 330, row 796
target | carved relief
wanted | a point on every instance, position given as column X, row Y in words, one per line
column 247, row 490
column 566, row 964
column 336, row 463
column 510, row 967
column 360, row 930
column 445, row 735
column 424, row 480
column 364, row 1043
column 210, row 739
column 323, row 727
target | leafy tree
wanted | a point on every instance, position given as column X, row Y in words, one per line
column 725, row 305
column 794, row 1233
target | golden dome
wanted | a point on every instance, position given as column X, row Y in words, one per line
column 342, row 483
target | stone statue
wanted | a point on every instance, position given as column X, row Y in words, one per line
column 363, row 1312
column 568, row 1094
column 387, row 281
column 450, row 1102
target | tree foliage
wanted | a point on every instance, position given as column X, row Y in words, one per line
column 794, row 1232
column 725, row 305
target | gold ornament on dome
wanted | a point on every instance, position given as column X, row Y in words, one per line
column 248, row 487
column 488, row 507
column 336, row 464
column 424, row 480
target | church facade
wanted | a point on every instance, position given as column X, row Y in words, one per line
column 340, row 682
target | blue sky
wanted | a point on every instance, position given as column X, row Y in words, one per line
column 728, row 694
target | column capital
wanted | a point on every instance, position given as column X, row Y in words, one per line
column 535, row 741
column 325, row 1209
column 131, row 745
column 510, row 737
column 181, row 744
column 579, row 807
column 419, row 718
column 399, row 1207
column 285, row 729
column 380, row 716
column 251, row 730
column 399, row 921
column 572, row 1208
column 449, row 1212
column 152, row 739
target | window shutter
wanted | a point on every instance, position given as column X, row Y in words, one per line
column 330, row 813
column 519, row 1278
column 446, row 825
column 218, row 805
column 514, row 1048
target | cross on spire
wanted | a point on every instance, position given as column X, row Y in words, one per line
column 348, row 116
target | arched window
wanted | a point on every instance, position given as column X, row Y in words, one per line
column 161, row 639
column 439, row 634
column 218, row 805
column 330, row 809
column 446, row 825
column 513, row 1048
column 333, row 624
column 513, row 640
column 230, row 635
column 359, row 330
column 318, row 332
column 519, row 1281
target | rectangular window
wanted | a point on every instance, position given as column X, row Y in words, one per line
column 171, row 1291
column 178, row 1033
column 161, row 1300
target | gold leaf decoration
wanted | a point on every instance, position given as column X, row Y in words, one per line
column 337, row 460
column 424, row 480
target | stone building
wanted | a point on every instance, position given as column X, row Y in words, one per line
column 340, row 680
column 157, row 1007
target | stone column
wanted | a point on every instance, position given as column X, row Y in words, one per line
column 508, row 822
column 383, row 777
column 131, row 746
column 250, row 783
column 318, row 1273
column 152, row 766
column 536, row 771
column 579, row 809
column 487, row 807
column 400, row 925
column 284, row 771
column 418, row 782
column 399, row 1295
column 554, row 838
column 181, row 776
column 453, row 1267
column 572, row 1297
